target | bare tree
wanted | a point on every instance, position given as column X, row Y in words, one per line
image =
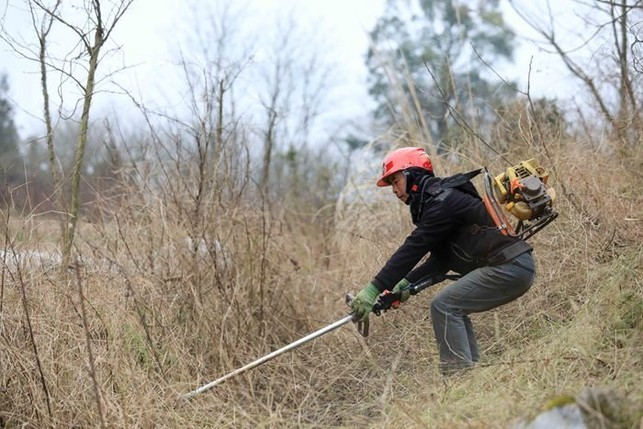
column 599, row 57
column 296, row 82
column 91, row 25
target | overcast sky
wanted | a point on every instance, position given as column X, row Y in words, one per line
column 152, row 28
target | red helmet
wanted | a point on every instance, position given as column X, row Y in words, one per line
column 401, row 159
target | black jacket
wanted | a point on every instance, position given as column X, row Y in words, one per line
column 452, row 225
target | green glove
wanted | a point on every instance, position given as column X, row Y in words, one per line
column 363, row 302
column 402, row 286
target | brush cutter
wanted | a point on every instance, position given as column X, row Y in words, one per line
column 384, row 302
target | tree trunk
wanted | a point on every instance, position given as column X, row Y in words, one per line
column 74, row 207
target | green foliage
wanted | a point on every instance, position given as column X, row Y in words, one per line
column 311, row 178
column 8, row 132
column 559, row 401
column 627, row 307
column 353, row 142
column 20, row 236
column 630, row 309
column 137, row 345
column 426, row 57
column 139, row 348
column 521, row 123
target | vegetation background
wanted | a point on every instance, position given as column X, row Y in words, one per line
column 139, row 265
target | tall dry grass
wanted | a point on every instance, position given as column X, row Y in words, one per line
column 187, row 276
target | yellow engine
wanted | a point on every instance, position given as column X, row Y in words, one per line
column 522, row 189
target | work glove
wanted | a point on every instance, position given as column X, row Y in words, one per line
column 402, row 286
column 363, row 302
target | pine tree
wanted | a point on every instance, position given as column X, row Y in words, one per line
column 9, row 154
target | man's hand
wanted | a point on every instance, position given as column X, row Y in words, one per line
column 363, row 302
column 403, row 287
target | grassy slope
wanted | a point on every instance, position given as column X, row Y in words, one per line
column 600, row 344
column 161, row 322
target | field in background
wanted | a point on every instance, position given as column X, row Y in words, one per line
column 162, row 300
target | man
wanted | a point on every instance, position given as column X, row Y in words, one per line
column 453, row 226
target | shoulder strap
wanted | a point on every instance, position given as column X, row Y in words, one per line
column 462, row 181
column 460, row 178
column 434, row 186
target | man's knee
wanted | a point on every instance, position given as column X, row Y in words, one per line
column 441, row 305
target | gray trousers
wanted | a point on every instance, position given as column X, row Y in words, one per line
column 480, row 290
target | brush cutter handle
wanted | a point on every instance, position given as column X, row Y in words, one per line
column 387, row 299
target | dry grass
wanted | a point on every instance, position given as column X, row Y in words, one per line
column 161, row 317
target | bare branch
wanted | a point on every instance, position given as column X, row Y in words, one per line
column 578, row 71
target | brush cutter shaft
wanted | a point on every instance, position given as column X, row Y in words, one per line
column 272, row 355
